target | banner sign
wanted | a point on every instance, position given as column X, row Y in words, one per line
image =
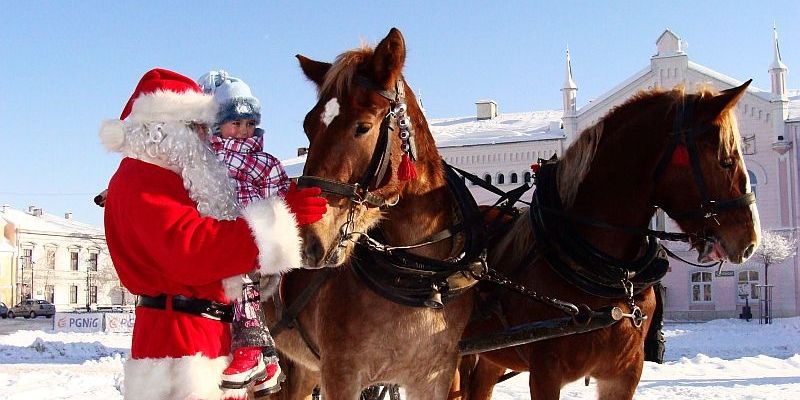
column 120, row 322
column 78, row 322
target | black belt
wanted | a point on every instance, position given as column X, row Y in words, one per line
column 200, row 307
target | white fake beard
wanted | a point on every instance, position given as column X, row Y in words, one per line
column 176, row 146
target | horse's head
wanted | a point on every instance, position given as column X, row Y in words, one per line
column 359, row 133
column 702, row 181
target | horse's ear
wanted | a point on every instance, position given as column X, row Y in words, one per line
column 726, row 99
column 314, row 70
column 388, row 59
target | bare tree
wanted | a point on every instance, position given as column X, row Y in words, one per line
column 774, row 249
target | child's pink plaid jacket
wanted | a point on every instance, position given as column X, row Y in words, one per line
column 258, row 174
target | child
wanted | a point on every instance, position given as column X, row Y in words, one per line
column 238, row 143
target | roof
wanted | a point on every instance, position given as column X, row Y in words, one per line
column 48, row 223
column 505, row 128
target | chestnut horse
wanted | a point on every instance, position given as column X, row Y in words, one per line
column 360, row 337
column 679, row 152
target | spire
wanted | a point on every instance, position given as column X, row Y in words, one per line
column 777, row 63
column 568, row 82
column 777, row 71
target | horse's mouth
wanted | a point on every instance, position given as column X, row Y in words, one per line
column 712, row 251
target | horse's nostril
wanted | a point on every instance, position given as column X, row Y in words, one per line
column 313, row 251
column 749, row 250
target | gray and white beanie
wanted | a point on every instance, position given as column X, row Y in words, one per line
column 233, row 96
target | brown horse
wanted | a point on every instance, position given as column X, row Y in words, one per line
column 679, row 152
column 362, row 338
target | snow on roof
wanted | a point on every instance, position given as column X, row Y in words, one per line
column 294, row 166
column 505, row 128
column 727, row 79
column 48, row 223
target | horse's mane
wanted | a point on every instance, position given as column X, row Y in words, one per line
column 579, row 156
column 341, row 74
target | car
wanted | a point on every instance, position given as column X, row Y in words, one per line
column 3, row 310
column 32, row 309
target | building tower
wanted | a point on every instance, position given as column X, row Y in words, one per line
column 569, row 91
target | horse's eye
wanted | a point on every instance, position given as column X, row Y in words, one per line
column 362, row 128
column 727, row 163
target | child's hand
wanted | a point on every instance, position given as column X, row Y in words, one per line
column 306, row 204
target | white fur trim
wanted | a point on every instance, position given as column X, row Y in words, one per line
column 112, row 134
column 277, row 237
column 167, row 106
column 190, row 377
column 233, row 287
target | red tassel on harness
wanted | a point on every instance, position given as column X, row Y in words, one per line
column 406, row 171
column 680, row 157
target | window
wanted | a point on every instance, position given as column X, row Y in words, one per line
column 747, row 285
column 701, row 286
column 513, row 177
column 487, row 178
column 73, row 260
column 50, row 257
column 753, row 182
column 49, row 293
column 73, row 294
column 501, row 179
column 527, row 177
column 27, row 258
column 92, row 261
column 92, row 294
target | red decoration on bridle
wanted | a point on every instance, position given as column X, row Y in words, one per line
column 680, row 156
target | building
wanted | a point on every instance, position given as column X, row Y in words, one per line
column 500, row 147
column 58, row 259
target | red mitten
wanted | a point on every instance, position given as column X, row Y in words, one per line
column 306, row 204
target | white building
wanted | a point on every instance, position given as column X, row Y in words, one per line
column 57, row 259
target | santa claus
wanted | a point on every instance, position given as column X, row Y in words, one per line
column 175, row 232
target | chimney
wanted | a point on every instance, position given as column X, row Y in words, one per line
column 30, row 209
column 487, row 109
column 37, row 212
column 301, row 151
column 67, row 215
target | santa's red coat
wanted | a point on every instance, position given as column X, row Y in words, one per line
column 160, row 244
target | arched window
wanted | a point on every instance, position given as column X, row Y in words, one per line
column 501, row 179
column 513, row 178
column 753, row 182
column 487, row 178
column 527, row 177
column 701, row 287
column 747, row 286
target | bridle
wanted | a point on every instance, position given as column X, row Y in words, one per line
column 686, row 137
column 363, row 191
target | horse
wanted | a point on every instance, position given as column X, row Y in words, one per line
column 583, row 237
column 374, row 157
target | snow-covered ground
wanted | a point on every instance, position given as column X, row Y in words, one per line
column 723, row 359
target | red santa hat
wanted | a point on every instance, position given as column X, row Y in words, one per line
column 161, row 96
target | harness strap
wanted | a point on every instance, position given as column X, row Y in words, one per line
column 340, row 189
column 290, row 315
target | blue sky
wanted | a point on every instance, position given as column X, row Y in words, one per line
column 66, row 66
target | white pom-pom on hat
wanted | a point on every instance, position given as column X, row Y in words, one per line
column 112, row 134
